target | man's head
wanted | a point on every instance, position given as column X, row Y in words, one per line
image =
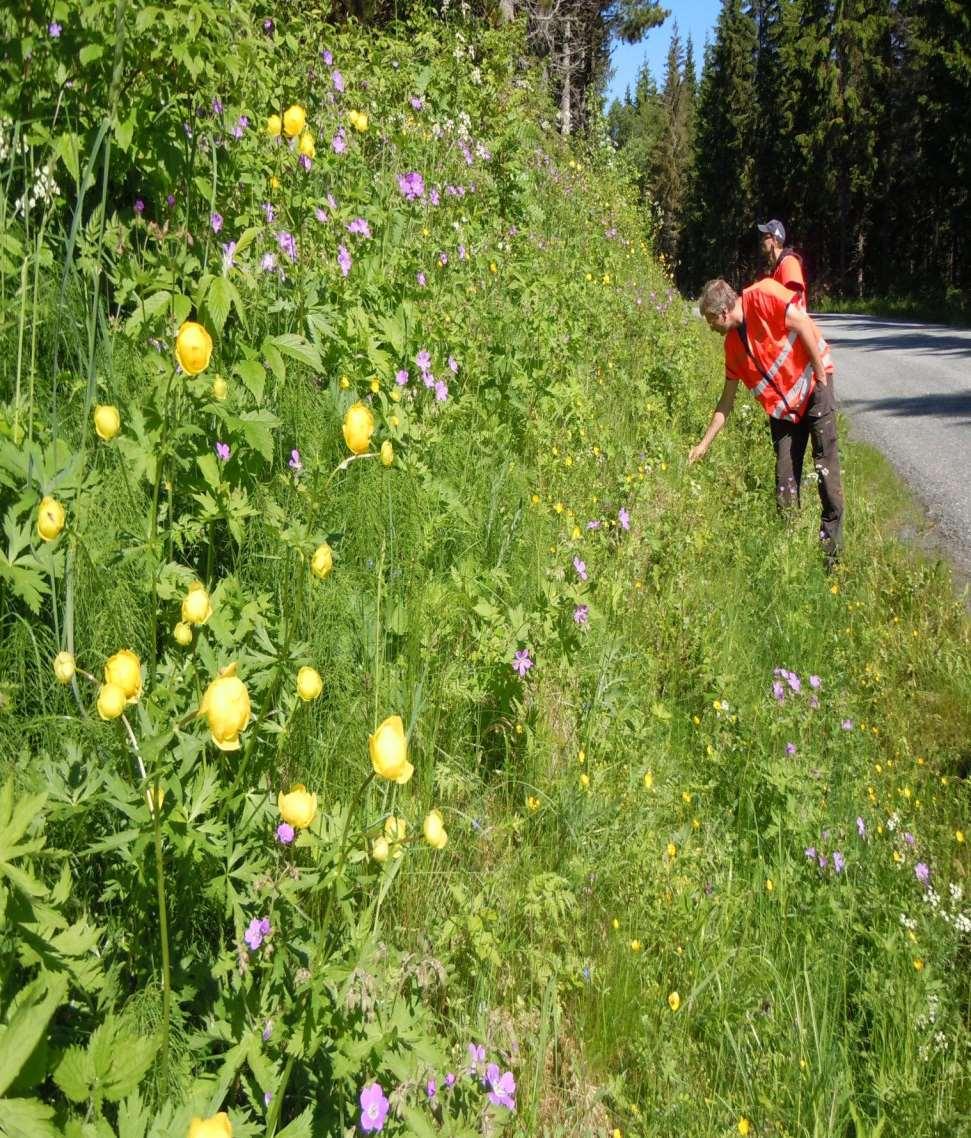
column 772, row 240
column 718, row 304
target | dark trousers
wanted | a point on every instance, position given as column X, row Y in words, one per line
column 789, row 440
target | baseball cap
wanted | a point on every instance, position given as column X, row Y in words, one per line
column 775, row 229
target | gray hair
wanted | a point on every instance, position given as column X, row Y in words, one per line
column 717, row 296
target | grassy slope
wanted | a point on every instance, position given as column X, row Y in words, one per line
column 565, row 928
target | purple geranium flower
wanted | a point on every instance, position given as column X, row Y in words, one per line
column 522, row 663
column 476, row 1055
column 450, row 1080
column 374, row 1107
column 623, row 517
column 268, row 211
column 922, row 872
column 256, row 933
column 423, row 359
column 54, row 30
column 501, row 1087
column 359, row 226
column 217, row 106
column 778, row 690
column 295, row 464
column 422, row 280
column 580, row 568
column 861, row 827
column 337, row 79
column 790, row 748
column 810, row 852
column 847, row 725
column 170, row 200
column 139, row 206
column 412, row 185
column 216, row 221
column 401, row 378
column 268, row 262
column 267, row 1030
column 287, row 243
column 453, row 365
column 838, row 861
column 441, row 391
column 416, row 103
column 594, row 523
column 241, row 124
column 339, row 142
column 327, row 57
column 229, row 255
column 305, row 162
column 222, row 452
column 431, row 1088
column 344, row 260
column 581, row 614
column 815, row 682
column 284, row 833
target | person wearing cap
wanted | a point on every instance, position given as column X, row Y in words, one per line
column 785, row 264
column 775, row 349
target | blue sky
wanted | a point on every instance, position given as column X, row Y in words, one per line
column 696, row 17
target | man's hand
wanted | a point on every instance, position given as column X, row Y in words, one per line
column 696, row 452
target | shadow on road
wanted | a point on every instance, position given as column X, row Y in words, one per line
column 954, row 406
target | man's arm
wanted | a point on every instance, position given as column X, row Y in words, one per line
column 718, row 420
column 799, row 322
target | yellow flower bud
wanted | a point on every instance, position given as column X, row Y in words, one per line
column 193, row 348
column 63, row 667
column 306, row 145
column 674, row 1001
column 388, row 748
column 218, row 1126
column 387, row 453
column 358, row 427
column 532, row 803
column 182, row 634
column 635, row 946
column 434, row 830
column 380, row 849
column 124, row 669
column 111, row 701
column 322, row 561
column 299, row 808
column 107, row 421
column 50, row 518
column 226, row 706
column 393, row 420
column 375, row 385
column 294, row 120
column 672, row 850
column 274, row 182
column 358, row 120
column 196, row 605
column 309, row 684
column 744, row 1126
column 344, row 383
column 220, row 388
column 274, row 125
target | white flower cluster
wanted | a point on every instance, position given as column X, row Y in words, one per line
column 951, row 913
column 6, row 139
column 43, row 189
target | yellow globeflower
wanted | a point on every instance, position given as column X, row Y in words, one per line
column 107, row 421
column 358, row 427
column 218, row 1126
column 196, row 605
column 274, row 124
column 309, row 684
column 182, row 634
column 226, row 706
column 358, row 120
column 388, row 748
column 380, row 849
column 387, row 453
column 111, row 701
column 674, row 1001
column 50, row 518
column 434, row 830
column 299, row 808
column 294, row 120
column 124, row 669
column 306, row 145
column 63, row 667
column 220, row 388
column 193, row 348
column 322, row 561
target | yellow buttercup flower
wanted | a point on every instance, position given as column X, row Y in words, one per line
column 380, row 849
column 584, row 781
column 744, row 1126
column 388, row 748
column 294, row 120
column 218, row 1126
column 648, row 779
column 124, row 669
column 959, row 837
column 309, row 684
column 615, row 923
column 358, row 427
column 63, row 667
column 111, row 701
column 182, row 634
column 193, row 348
column 226, row 706
column 196, row 605
column 50, row 518
column 274, row 182
column 532, row 803
column 672, row 850
column 299, row 807
column 635, row 946
column 107, row 421
column 306, row 145
column 220, row 388
column 322, row 561
column 434, row 830
column 387, row 453
column 274, row 125
column 674, row 1001
column 358, row 120
column 343, row 383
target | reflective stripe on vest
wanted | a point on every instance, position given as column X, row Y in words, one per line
column 777, row 363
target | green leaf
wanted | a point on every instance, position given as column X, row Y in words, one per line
column 75, row 1074
column 258, row 427
column 88, row 54
column 28, row 1024
column 300, row 1127
column 26, row 1118
column 123, row 130
column 218, row 301
column 298, row 348
column 253, row 375
column 209, row 466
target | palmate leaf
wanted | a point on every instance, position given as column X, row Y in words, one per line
column 28, row 1023
column 26, row 1118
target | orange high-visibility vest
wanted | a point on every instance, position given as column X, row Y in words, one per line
column 789, row 273
column 770, row 360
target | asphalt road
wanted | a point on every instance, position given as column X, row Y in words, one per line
column 906, row 389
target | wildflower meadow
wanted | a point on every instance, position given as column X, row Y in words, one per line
column 398, row 736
